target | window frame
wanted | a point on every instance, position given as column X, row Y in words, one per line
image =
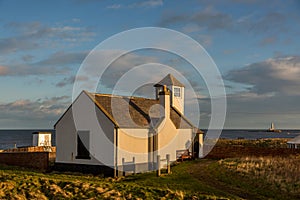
column 177, row 93
column 83, row 152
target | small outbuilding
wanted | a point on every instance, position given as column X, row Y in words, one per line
column 41, row 139
column 294, row 143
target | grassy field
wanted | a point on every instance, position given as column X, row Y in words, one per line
column 259, row 143
column 231, row 178
column 248, row 178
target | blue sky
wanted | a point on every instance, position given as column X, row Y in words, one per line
column 255, row 44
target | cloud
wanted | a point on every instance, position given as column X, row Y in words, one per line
column 141, row 4
column 33, row 35
column 46, row 109
column 205, row 40
column 147, row 65
column 149, row 3
column 3, row 70
column 251, row 110
column 276, row 75
column 248, row 110
column 207, row 18
column 268, row 41
column 122, row 65
column 271, row 22
column 23, row 70
column 114, row 6
column 211, row 19
column 191, row 28
column 27, row 58
column 10, row 45
column 70, row 80
column 57, row 63
column 62, row 58
column 272, row 94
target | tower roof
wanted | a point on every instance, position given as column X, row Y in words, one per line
column 169, row 80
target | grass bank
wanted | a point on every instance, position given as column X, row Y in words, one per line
column 243, row 177
column 18, row 183
column 252, row 178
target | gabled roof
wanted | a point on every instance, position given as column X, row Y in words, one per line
column 295, row 140
column 169, row 80
column 133, row 112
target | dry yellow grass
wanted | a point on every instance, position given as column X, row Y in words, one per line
column 251, row 177
column 269, row 143
column 281, row 172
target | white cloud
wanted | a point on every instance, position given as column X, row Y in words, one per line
column 149, row 3
column 47, row 109
column 211, row 18
column 140, row 4
column 278, row 75
column 273, row 94
column 114, row 6
column 34, row 35
column 57, row 63
column 207, row 18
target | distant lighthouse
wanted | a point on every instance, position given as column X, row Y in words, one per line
column 272, row 128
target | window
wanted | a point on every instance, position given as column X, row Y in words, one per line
column 83, row 145
column 47, row 140
column 177, row 92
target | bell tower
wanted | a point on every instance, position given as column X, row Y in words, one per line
column 177, row 91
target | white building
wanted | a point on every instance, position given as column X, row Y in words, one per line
column 41, row 139
column 294, row 143
column 108, row 134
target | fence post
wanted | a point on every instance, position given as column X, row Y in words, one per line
column 158, row 165
column 133, row 161
column 168, row 164
column 123, row 162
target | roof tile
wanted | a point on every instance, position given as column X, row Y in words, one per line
column 134, row 112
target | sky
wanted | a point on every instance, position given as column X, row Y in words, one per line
column 254, row 43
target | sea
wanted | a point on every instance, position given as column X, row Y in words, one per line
column 23, row 138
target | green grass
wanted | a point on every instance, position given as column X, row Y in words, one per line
column 232, row 178
column 268, row 143
column 202, row 179
column 19, row 183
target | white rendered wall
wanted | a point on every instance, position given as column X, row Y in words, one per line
column 133, row 143
column 101, row 134
column 171, row 139
column 41, row 139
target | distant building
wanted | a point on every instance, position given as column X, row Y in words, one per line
column 132, row 131
column 272, row 129
column 294, row 143
column 41, row 139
